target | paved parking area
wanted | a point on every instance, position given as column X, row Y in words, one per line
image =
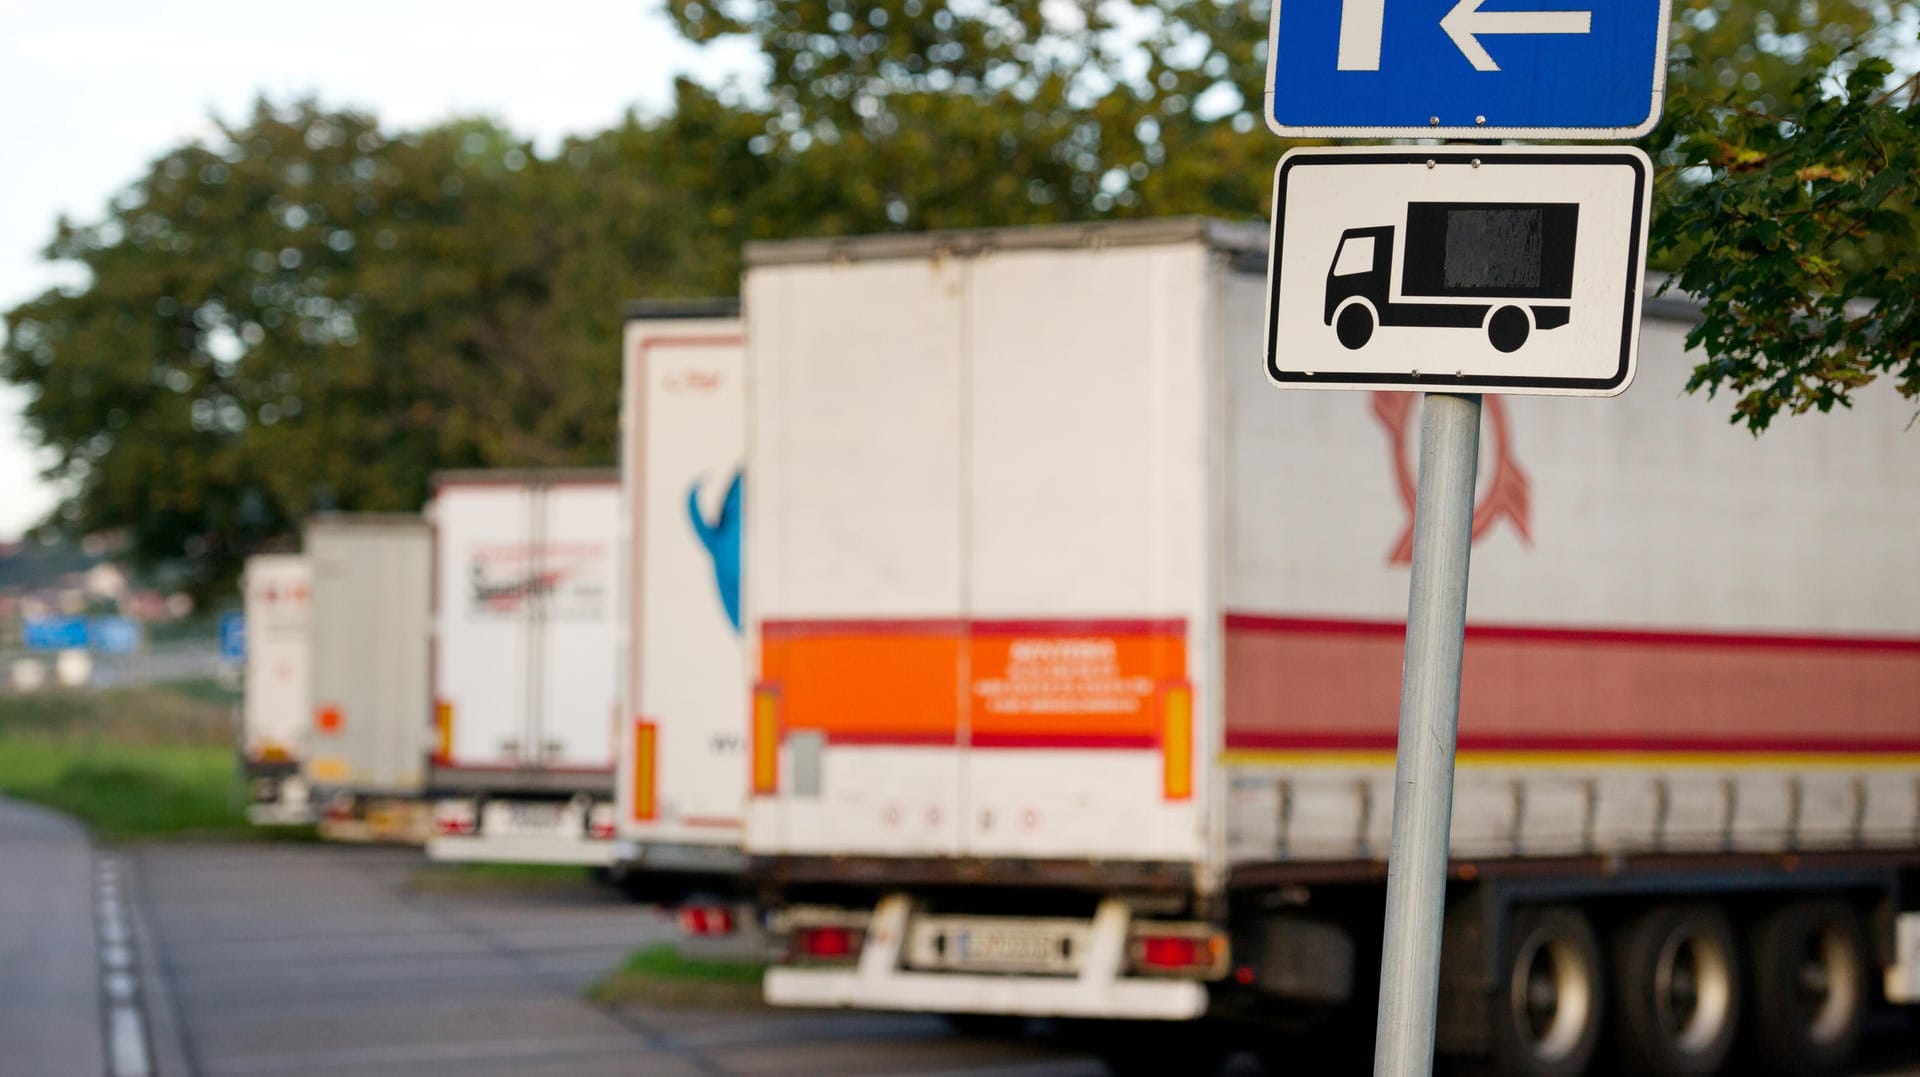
column 271, row 959
column 303, row 959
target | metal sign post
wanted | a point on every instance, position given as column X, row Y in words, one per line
column 1429, row 722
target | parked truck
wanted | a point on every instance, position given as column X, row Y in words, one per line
column 274, row 595
column 1077, row 657
column 372, row 706
column 682, row 773
column 524, row 649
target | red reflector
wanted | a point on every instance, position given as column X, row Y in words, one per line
column 1169, row 952
column 453, row 827
column 600, row 831
column 705, row 920
column 824, row 941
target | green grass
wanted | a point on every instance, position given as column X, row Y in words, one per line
column 457, row 876
column 661, row 975
column 129, row 763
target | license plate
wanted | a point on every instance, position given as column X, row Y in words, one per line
column 1009, row 947
column 532, row 818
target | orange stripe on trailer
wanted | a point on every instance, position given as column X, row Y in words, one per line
column 1028, row 683
column 1176, row 741
column 766, row 740
column 645, row 753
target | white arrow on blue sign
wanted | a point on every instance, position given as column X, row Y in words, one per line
column 1466, row 68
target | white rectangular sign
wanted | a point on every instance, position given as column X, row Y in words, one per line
column 1477, row 269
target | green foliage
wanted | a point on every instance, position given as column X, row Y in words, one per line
column 1795, row 229
column 130, row 762
column 125, row 791
column 660, row 975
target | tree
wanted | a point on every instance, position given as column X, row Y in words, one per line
column 1784, row 189
column 309, row 314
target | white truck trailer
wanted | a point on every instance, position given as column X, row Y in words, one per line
column 275, row 590
column 372, row 704
column 682, row 774
column 1077, row 653
column 524, row 648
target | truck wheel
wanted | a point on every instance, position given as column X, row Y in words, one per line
column 1507, row 328
column 1677, row 978
column 1354, row 325
column 1809, row 987
column 1546, row 1019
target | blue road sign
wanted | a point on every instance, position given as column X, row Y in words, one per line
column 55, row 633
column 233, row 636
column 1466, row 68
column 114, row 635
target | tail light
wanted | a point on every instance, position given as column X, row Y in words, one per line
column 705, row 920
column 1188, row 951
column 766, row 740
column 1176, row 741
column 455, row 819
column 600, row 822
column 826, row 945
column 338, row 810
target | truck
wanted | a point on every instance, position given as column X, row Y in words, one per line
column 372, row 704
column 682, row 773
column 1076, row 656
column 524, row 646
column 275, row 589
column 1505, row 267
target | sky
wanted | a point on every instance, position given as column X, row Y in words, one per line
column 96, row 89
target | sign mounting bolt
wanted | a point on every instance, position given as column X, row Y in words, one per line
column 1481, row 120
column 1433, row 121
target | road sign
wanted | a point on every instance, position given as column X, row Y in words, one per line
column 233, row 636
column 1455, row 69
column 1454, row 269
column 54, row 633
column 114, row 635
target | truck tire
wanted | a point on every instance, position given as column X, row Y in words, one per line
column 1677, row 981
column 1508, row 328
column 1547, row 1013
column 1353, row 324
column 1809, row 987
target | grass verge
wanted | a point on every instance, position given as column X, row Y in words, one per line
column 660, row 975
column 442, row 878
column 129, row 763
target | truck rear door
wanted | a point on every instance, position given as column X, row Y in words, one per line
column 854, row 547
column 570, row 725
column 1086, row 512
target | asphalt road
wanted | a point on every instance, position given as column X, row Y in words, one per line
column 272, row 959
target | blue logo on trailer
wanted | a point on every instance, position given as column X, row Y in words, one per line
column 55, row 633
column 721, row 538
column 114, row 635
column 233, row 637
column 1576, row 68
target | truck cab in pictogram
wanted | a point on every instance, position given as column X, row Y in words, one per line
column 1505, row 268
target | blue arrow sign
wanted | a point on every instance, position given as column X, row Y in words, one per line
column 1466, row 68
column 54, row 633
column 233, row 636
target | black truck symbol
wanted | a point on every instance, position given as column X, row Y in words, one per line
column 1505, row 267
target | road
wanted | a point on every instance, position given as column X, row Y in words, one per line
column 291, row 959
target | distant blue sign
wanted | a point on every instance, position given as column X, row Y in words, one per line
column 55, row 633
column 233, row 637
column 1466, row 68
column 114, row 635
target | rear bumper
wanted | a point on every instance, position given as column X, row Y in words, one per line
column 281, row 813
column 881, row 980
column 531, row 849
column 1030, row 996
